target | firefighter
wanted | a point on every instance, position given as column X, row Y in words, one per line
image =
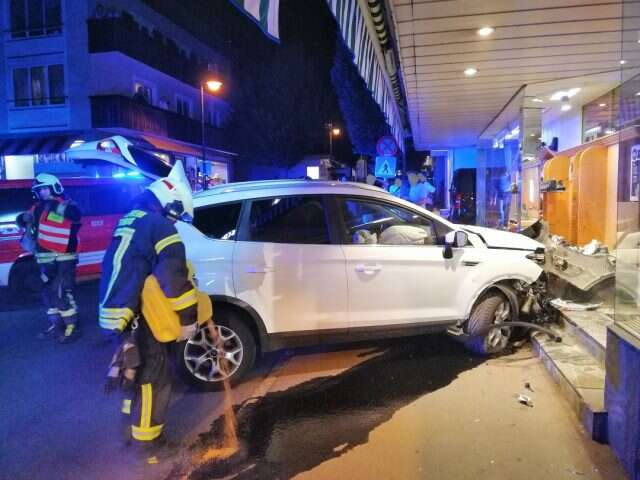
column 53, row 223
column 146, row 242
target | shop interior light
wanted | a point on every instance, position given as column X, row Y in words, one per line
column 537, row 100
column 471, row 71
column 602, row 105
column 560, row 94
column 637, row 94
column 485, row 31
column 566, row 107
column 622, row 62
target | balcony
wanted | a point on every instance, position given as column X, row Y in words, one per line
column 115, row 111
column 124, row 35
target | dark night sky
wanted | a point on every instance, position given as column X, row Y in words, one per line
column 307, row 24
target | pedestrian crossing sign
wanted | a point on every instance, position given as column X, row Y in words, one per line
column 385, row 166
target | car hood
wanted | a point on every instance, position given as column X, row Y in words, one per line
column 501, row 239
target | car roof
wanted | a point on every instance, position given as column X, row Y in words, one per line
column 267, row 187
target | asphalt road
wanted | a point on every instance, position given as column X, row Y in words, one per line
column 413, row 408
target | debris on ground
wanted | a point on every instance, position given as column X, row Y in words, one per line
column 528, row 387
column 561, row 304
column 525, row 400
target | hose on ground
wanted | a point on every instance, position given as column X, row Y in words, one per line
column 532, row 326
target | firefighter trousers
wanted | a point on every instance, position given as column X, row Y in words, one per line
column 59, row 276
column 151, row 394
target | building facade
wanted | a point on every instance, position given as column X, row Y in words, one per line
column 78, row 70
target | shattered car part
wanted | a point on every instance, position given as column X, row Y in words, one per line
column 561, row 304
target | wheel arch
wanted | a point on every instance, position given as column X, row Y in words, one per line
column 503, row 286
column 246, row 314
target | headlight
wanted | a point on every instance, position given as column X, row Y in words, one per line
column 537, row 256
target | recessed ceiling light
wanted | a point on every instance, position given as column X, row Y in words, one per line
column 566, row 107
column 471, row 71
column 602, row 105
column 561, row 93
column 537, row 100
column 622, row 62
column 485, row 31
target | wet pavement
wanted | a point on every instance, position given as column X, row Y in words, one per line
column 415, row 408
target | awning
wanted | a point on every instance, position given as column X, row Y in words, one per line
column 32, row 145
column 362, row 36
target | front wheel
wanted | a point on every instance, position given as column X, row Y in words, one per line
column 210, row 357
column 493, row 309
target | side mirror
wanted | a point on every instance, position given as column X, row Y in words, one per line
column 455, row 239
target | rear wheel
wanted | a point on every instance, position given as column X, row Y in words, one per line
column 210, row 357
column 493, row 309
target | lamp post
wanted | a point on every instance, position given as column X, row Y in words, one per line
column 213, row 86
column 333, row 131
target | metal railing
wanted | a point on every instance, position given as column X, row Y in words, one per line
column 117, row 111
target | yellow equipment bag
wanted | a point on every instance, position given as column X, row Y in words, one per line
column 160, row 316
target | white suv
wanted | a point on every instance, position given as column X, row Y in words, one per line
column 295, row 262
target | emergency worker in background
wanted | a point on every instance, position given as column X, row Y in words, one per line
column 51, row 233
column 146, row 242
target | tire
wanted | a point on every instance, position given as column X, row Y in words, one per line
column 207, row 374
column 493, row 309
column 24, row 278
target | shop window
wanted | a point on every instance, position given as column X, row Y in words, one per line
column 38, row 85
column 219, row 221
column 366, row 222
column 289, row 220
column 35, row 18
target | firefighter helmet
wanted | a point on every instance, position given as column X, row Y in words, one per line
column 47, row 180
column 174, row 194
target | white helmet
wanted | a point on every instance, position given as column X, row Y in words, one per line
column 174, row 194
column 47, row 180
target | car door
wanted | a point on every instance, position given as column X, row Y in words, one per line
column 286, row 267
column 210, row 243
column 396, row 272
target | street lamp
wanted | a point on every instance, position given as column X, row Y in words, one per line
column 213, row 85
column 333, row 132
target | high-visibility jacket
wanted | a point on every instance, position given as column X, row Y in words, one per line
column 144, row 243
column 54, row 231
column 56, row 223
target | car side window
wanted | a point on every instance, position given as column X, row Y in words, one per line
column 218, row 221
column 370, row 222
column 299, row 219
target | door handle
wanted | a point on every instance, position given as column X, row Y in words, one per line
column 259, row 269
column 368, row 269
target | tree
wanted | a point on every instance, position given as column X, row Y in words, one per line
column 364, row 120
column 280, row 108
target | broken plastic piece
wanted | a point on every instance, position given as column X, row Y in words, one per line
column 561, row 304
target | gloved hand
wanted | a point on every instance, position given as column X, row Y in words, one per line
column 187, row 331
